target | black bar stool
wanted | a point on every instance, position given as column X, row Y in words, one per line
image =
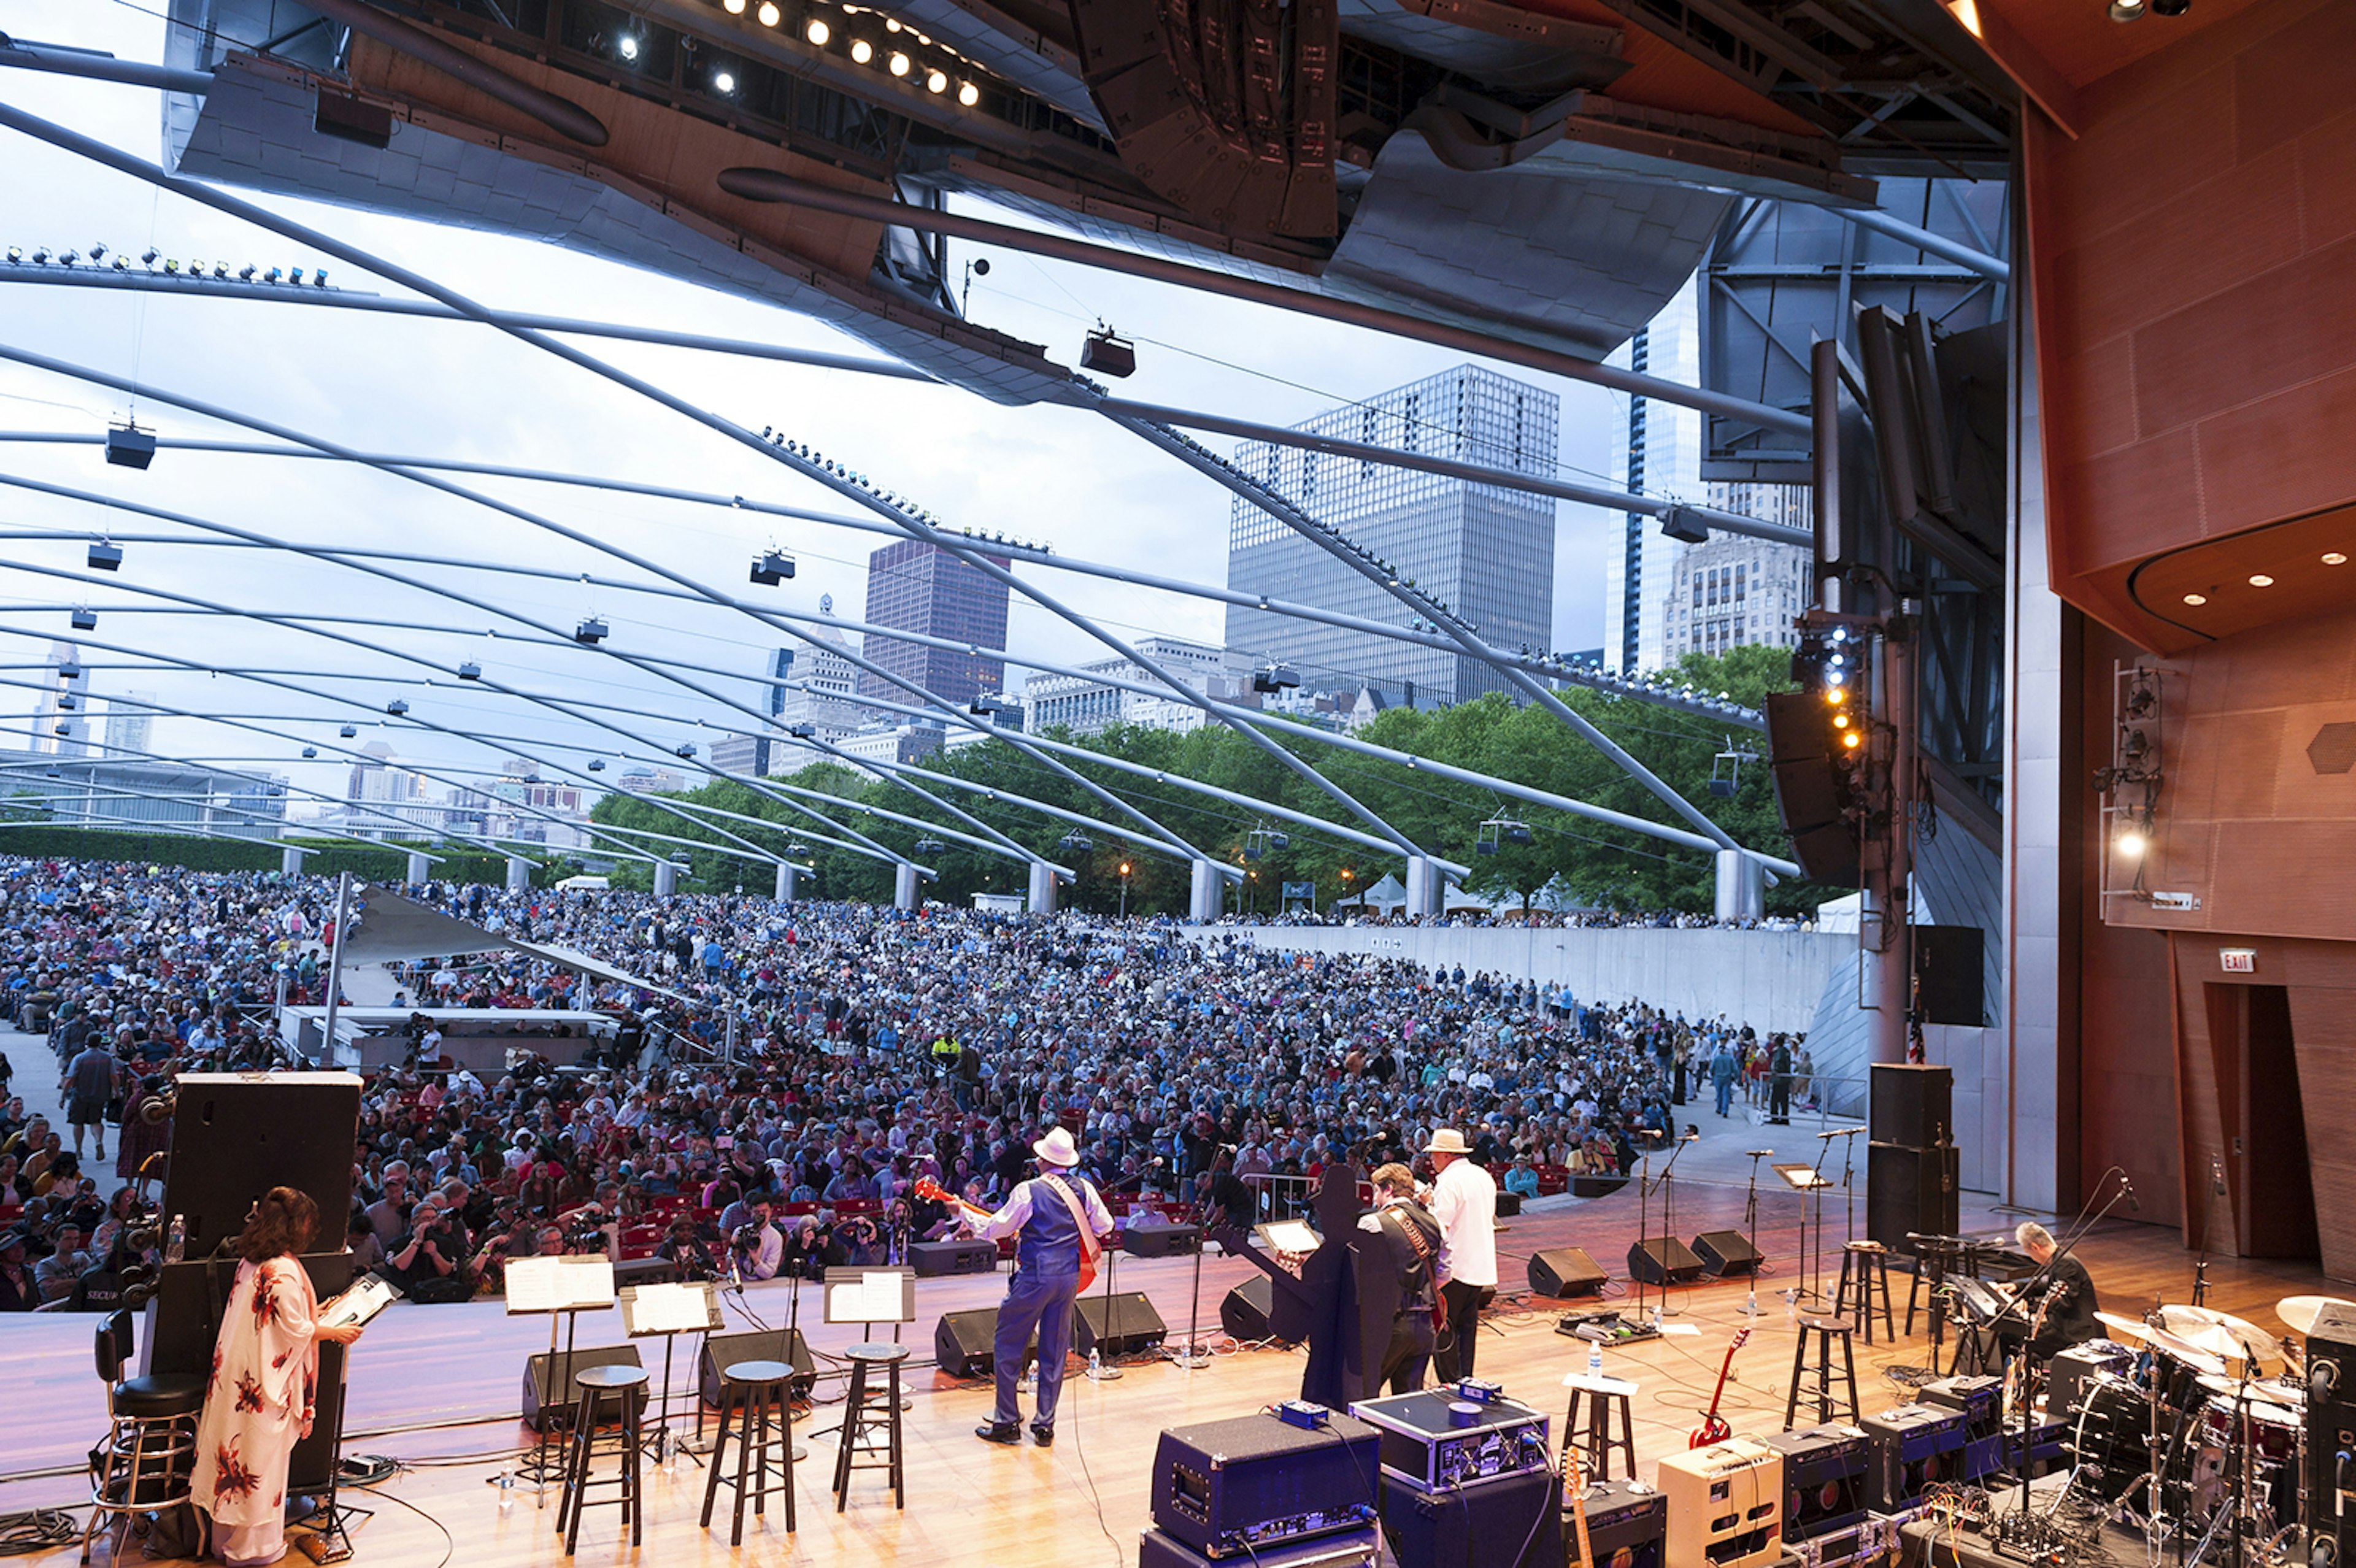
column 150, row 1441
column 866, row 1412
column 593, row 1386
column 758, row 1389
column 1865, row 1278
column 1603, row 1397
column 1818, row 1383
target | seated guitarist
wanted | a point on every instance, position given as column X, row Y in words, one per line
column 2065, row 1305
column 1059, row 1223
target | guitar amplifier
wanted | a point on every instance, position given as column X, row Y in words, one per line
column 2074, row 1370
column 1233, row 1488
column 1913, row 1446
column 1626, row 1522
column 1980, row 1399
column 1824, row 1480
column 1509, row 1522
column 2000, row 1451
column 1436, row 1441
column 1726, row 1505
column 1361, row 1547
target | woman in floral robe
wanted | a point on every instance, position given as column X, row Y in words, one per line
column 265, row 1374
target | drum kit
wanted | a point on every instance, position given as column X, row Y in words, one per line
column 2201, row 1441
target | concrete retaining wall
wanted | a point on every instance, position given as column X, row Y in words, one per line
column 1769, row 980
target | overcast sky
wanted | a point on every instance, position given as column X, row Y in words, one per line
column 445, row 389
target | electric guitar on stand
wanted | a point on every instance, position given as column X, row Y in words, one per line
column 1576, row 1480
column 927, row 1187
column 1713, row 1427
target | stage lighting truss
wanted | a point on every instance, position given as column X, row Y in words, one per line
column 1502, row 832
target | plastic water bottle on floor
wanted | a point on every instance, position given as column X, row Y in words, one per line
column 176, row 1245
column 1096, row 1362
column 506, row 1482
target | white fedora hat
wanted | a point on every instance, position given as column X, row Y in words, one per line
column 1057, row 1148
column 1447, row 1140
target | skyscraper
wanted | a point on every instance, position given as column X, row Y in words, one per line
column 131, row 725
column 913, row 586
column 1486, row 553
column 1733, row 591
column 1660, row 455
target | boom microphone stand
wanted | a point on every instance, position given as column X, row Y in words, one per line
column 1669, row 1218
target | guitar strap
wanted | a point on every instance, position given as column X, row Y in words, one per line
column 1090, row 1246
column 1416, row 1239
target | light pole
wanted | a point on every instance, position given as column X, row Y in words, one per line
column 1124, row 890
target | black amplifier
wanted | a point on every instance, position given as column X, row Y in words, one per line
column 1980, row 1399
column 2074, row 1370
column 1999, row 1451
column 1912, row 1446
column 1437, row 1440
column 1228, row 1488
column 1626, row 1526
column 1824, row 1480
column 1361, row 1547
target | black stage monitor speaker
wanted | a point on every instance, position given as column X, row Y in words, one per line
column 969, row 1256
column 1123, row 1324
column 1244, row 1314
column 721, row 1351
column 1910, row 1190
column 1509, row 1522
column 1947, row 973
column 548, row 1389
column 1911, row 1104
column 236, row 1135
column 965, row 1343
column 1663, row 1260
column 1725, row 1252
column 1627, row 1528
column 1162, row 1241
column 1807, row 789
column 1562, row 1271
column 1223, row 1487
column 1587, row 1186
column 1509, row 1204
column 644, row 1271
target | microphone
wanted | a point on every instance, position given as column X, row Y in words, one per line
column 1835, row 1133
column 2126, row 1190
column 1758, row 1153
column 1648, row 1131
column 1693, row 1137
column 2217, row 1175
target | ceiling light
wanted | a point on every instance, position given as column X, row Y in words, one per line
column 889, row 25
column 969, row 94
column 2127, row 10
column 861, row 51
column 899, row 63
column 818, row 32
column 769, row 15
column 627, row 46
column 733, row 7
column 2131, row 842
column 2334, row 557
column 723, row 81
column 2196, row 599
column 936, row 81
column 2260, row 580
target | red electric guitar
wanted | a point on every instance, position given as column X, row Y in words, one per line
column 1713, row 1427
column 927, row 1187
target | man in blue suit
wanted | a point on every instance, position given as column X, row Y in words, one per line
column 1056, row 1216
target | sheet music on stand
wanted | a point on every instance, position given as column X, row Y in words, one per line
column 856, row 1294
column 1803, row 1177
column 559, row 1285
column 649, row 1309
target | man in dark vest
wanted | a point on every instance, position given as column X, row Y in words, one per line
column 1409, row 1253
column 1056, row 1218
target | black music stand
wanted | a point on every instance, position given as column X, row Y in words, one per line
column 1809, row 1183
column 561, row 1287
column 667, row 1311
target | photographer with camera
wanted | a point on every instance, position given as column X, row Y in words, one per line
column 755, row 1246
column 686, row 1251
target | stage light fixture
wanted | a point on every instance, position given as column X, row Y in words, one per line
column 724, row 82
column 2260, row 580
column 770, row 16
column 801, row 732
column 818, row 32
column 397, row 707
column 220, row 271
column 40, row 255
column 733, row 7
column 899, row 63
column 861, row 51
column 470, row 671
column 69, row 258
column 121, row 263
column 2127, row 10
column 149, row 255
column 16, row 255
column 245, row 273
column 68, row 702
column 1849, row 739
column 627, row 46
column 319, row 277
column 294, row 274
column 969, row 94
column 936, row 81
column 171, row 266
column 106, row 557
column 2131, row 841
column 2196, row 600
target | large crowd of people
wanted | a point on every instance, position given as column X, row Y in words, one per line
column 786, row 1073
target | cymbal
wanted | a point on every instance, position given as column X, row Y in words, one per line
column 2133, row 1328
column 2262, row 1397
column 2299, row 1312
column 2220, row 1333
column 2190, row 1354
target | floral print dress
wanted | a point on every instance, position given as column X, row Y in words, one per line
column 258, row 1405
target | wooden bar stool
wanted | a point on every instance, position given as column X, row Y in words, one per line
column 1818, row 1383
column 1865, row 1278
column 866, row 1412
column 1603, row 1397
column 622, row 1390
column 765, row 1442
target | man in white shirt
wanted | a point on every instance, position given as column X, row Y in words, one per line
column 1464, row 1201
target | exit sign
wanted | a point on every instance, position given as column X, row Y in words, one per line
column 2238, row 960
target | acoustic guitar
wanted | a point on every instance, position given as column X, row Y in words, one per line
column 1713, row 1427
column 927, row 1187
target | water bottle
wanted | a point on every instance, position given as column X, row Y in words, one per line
column 506, row 1482
column 1595, row 1357
column 176, row 1244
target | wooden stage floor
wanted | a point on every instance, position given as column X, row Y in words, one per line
column 437, row 1388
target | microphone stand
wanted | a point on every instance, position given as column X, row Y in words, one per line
column 1643, row 1193
column 1812, row 1292
column 1751, row 1226
column 1669, row 1221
